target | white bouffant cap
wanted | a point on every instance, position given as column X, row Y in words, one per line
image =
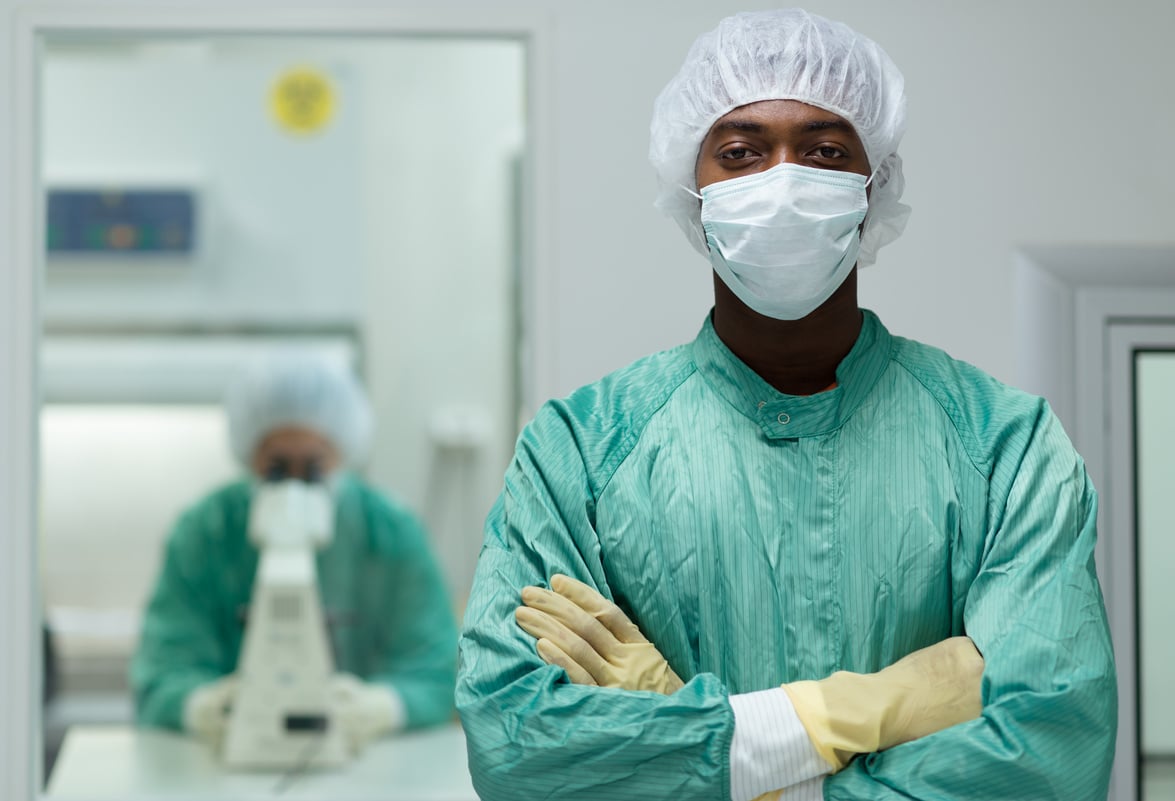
column 787, row 54
column 304, row 390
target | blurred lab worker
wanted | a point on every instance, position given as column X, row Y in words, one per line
column 799, row 556
column 391, row 625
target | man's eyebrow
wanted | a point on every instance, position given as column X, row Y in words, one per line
column 739, row 125
column 828, row 125
column 750, row 126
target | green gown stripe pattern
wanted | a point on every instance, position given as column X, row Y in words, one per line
column 758, row 538
column 389, row 614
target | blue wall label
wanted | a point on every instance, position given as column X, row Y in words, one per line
column 120, row 221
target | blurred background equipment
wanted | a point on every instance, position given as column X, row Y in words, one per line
column 281, row 715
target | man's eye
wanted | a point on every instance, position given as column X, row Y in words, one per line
column 737, row 153
column 829, row 152
column 278, row 469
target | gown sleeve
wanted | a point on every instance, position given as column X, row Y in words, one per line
column 1035, row 612
column 181, row 646
column 530, row 733
column 420, row 633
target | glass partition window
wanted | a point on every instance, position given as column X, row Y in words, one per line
column 212, row 197
column 1155, row 482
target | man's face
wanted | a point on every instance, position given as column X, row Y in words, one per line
column 294, row 452
column 758, row 136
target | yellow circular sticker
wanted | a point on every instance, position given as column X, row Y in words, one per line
column 302, row 100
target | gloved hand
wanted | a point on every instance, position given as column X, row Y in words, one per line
column 588, row 636
column 927, row 691
column 363, row 710
column 206, row 709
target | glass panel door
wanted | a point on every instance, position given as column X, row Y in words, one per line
column 1154, row 429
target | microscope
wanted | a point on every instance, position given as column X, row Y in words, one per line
column 282, row 717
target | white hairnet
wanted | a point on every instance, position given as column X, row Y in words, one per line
column 788, row 54
column 303, row 390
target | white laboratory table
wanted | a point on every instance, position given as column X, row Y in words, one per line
column 121, row 762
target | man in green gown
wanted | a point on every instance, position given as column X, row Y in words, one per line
column 797, row 498
column 391, row 625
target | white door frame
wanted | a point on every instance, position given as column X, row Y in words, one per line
column 21, row 263
column 1070, row 301
column 1124, row 338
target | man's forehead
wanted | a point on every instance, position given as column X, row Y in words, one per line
column 766, row 112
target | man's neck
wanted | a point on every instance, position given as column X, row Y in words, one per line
column 797, row 357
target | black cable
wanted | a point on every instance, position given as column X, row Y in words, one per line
column 300, row 767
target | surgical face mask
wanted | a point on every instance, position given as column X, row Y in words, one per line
column 784, row 239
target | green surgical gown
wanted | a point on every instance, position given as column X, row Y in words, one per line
column 758, row 538
column 388, row 613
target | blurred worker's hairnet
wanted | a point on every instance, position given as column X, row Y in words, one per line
column 786, row 54
column 303, row 389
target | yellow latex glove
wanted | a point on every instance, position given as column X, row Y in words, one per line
column 854, row 713
column 588, row 636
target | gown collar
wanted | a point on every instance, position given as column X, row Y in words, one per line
column 793, row 416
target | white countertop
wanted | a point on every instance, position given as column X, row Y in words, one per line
column 121, row 762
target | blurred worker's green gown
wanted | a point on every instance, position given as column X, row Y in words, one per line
column 389, row 615
column 758, row 538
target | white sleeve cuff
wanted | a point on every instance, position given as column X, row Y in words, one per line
column 770, row 749
column 811, row 790
column 397, row 711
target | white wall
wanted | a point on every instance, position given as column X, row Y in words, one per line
column 440, row 264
